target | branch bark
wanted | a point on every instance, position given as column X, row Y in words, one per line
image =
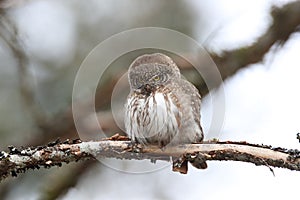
column 54, row 154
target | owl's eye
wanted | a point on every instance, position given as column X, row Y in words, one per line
column 136, row 80
column 140, row 79
column 156, row 78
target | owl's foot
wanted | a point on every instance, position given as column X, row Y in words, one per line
column 117, row 136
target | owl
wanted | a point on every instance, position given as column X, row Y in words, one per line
column 162, row 107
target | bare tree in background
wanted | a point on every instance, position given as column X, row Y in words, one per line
column 48, row 128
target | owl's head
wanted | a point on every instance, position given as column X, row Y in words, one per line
column 151, row 71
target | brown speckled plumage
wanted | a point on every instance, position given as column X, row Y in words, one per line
column 162, row 107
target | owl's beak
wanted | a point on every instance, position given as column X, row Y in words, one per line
column 146, row 89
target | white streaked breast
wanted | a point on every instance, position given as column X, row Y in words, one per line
column 162, row 122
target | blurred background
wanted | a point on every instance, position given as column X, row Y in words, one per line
column 255, row 44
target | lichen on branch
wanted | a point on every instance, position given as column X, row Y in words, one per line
column 54, row 154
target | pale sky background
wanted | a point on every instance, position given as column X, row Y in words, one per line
column 262, row 106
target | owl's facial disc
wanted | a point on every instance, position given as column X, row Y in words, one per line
column 148, row 77
column 150, row 72
column 149, row 85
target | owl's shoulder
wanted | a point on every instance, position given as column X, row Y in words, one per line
column 186, row 87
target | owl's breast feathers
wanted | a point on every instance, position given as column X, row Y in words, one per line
column 153, row 117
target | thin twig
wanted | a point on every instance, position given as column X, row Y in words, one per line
column 10, row 35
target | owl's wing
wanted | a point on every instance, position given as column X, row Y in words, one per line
column 193, row 99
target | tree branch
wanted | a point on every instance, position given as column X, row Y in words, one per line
column 286, row 21
column 10, row 35
column 54, row 154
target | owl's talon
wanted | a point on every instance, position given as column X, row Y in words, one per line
column 117, row 136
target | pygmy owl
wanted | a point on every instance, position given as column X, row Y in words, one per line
column 162, row 107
